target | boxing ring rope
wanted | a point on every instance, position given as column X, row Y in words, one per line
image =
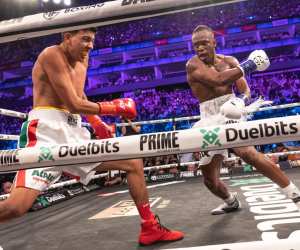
column 95, row 15
column 12, row 113
column 165, row 166
column 145, row 145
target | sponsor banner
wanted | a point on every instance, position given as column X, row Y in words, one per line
column 187, row 174
column 40, row 202
column 99, row 14
column 74, row 191
column 122, row 208
column 91, row 187
column 163, row 143
column 289, row 244
column 276, row 216
column 162, row 177
column 56, row 197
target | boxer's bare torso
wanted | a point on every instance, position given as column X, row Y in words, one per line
column 201, row 89
column 44, row 91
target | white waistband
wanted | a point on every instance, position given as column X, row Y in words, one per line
column 55, row 115
column 212, row 107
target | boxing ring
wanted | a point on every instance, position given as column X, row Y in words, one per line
column 258, row 132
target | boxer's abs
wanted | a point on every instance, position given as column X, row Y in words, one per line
column 43, row 92
column 204, row 93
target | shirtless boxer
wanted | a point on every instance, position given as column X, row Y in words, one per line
column 59, row 76
column 211, row 77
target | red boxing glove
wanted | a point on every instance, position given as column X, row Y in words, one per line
column 124, row 107
column 102, row 130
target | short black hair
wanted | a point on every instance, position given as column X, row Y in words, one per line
column 202, row 27
column 73, row 32
column 92, row 29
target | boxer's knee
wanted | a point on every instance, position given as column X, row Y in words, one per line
column 248, row 154
column 134, row 166
column 138, row 166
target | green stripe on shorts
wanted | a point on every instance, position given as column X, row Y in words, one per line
column 23, row 140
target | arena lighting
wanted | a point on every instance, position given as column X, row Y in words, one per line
column 57, row 1
column 67, row 2
column 45, row 1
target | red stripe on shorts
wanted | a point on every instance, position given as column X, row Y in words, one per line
column 31, row 138
column 20, row 180
column 32, row 133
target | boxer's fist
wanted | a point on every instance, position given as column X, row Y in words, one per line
column 124, row 107
column 102, row 130
column 233, row 108
column 257, row 60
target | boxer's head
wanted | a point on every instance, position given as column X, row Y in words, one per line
column 78, row 43
column 204, row 43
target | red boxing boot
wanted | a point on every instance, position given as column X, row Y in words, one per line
column 153, row 232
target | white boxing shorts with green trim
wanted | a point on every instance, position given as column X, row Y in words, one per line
column 210, row 116
column 52, row 126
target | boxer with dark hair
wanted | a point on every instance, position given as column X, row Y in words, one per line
column 59, row 76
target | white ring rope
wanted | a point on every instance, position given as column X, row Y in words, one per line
column 99, row 14
column 258, row 132
column 9, row 137
column 13, row 113
column 62, row 184
column 165, row 166
column 17, row 114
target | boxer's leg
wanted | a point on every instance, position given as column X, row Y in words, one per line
column 18, row 203
column 135, row 177
column 211, row 178
column 152, row 231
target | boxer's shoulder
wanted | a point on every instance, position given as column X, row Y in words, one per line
column 193, row 63
column 230, row 60
column 52, row 52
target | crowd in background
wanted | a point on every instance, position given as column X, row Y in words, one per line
column 172, row 101
column 219, row 17
column 177, row 100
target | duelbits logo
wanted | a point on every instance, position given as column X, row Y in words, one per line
column 210, row 137
column 261, row 130
column 103, row 147
column 45, row 154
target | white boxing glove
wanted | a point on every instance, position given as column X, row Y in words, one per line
column 234, row 108
column 257, row 60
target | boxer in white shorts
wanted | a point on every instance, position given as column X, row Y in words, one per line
column 211, row 77
column 210, row 115
column 52, row 126
column 59, row 77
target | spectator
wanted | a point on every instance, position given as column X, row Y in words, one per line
column 6, row 187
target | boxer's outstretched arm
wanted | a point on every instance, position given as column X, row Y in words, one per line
column 241, row 84
column 200, row 72
column 57, row 69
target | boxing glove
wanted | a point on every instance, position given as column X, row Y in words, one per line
column 124, row 107
column 101, row 129
column 257, row 60
column 234, row 108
